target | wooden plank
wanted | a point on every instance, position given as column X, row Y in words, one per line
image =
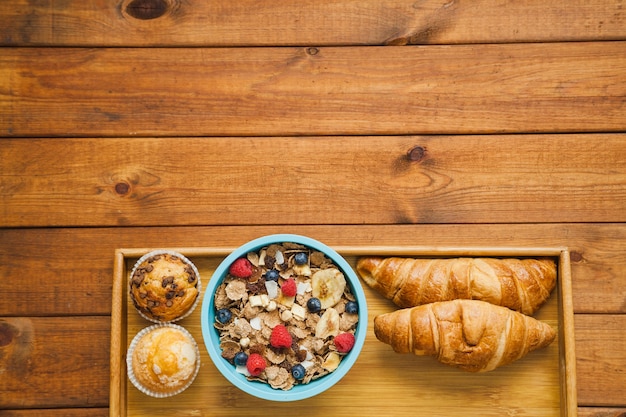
column 600, row 341
column 63, row 361
column 513, row 88
column 321, row 22
column 54, row 362
column 601, row 412
column 69, row 271
column 57, row 412
column 102, row 412
column 316, row 180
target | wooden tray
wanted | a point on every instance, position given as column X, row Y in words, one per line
column 381, row 382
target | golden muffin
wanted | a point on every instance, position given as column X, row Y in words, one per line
column 163, row 360
column 164, row 286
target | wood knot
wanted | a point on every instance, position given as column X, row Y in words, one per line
column 575, row 256
column 416, row 154
column 312, row 51
column 122, row 188
column 7, row 334
column 147, row 9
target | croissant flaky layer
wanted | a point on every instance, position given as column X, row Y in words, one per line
column 472, row 335
column 519, row 284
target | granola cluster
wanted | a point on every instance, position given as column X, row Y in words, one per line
column 250, row 305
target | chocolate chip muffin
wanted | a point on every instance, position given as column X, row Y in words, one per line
column 164, row 286
column 163, row 360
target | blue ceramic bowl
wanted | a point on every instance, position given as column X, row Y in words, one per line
column 259, row 389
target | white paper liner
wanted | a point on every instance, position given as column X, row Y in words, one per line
column 184, row 259
column 129, row 361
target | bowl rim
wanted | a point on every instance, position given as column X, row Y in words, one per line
column 262, row 390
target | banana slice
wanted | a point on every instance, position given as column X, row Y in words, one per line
column 332, row 361
column 328, row 285
column 328, row 324
column 285, row 300
column 303, row 270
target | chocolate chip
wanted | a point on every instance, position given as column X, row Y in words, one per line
column 170, row 294
column 167, row 281
column 149, row 268
column 180, row 293
column 169, row 303
column 191, row 278
column 143, row 295
column 138, row 279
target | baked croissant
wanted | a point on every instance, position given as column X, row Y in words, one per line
column 472, row 335
column 519, row 284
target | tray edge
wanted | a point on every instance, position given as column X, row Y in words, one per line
column 567, row 354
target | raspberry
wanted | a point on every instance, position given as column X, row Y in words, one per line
column 344, row 342
column 289, row 288
column 241, row 268
column 280, row 337
column 256, row 364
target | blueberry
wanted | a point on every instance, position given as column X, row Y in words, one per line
column 298, row 371
column 352, row 307
column 223, row 315
column 271, row 275
column 314, row 305
column 241, row 358
column 301, row 258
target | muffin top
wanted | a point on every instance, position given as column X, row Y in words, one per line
column 164, row 287
column 164, row 359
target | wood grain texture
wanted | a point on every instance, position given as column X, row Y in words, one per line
column 321, row 22
column 69, row 271
column 102, row 412
column 183, row 107
column 54, row 362
column 181, row 181
column 512, row 88
column 60, row 412
column 600, row 341
column 601, row 412
column 79, row 347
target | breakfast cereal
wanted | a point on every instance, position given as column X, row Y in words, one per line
column 284, row 304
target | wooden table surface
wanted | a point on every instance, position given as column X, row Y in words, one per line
column 189, row 123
